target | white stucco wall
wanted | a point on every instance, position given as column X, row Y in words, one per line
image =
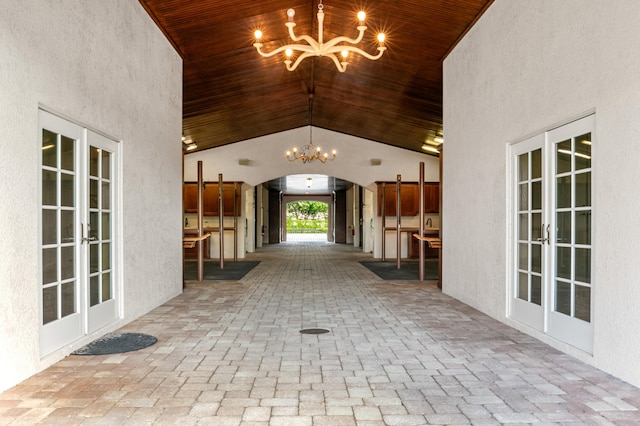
column 526, row 67
column 106, row 66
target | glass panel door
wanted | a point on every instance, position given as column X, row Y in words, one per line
column 529, row 231
column 551, row 285
column 60, row 237
column 101, row 295
column 571, row 296
column 78, row 170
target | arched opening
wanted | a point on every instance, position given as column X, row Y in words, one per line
column 307, row 220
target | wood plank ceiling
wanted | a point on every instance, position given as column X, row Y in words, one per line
column 231, row 93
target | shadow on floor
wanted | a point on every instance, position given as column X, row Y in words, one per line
column 409, row 270
column 232, row 271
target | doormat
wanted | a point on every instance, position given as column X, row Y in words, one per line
column 232, row 271
column 409, row 270
column 115, row 343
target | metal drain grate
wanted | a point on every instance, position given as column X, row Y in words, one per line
column 314, row 331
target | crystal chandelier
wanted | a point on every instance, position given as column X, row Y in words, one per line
column 319, row 47
column 310, row 152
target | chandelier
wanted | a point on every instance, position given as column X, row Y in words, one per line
column 319, row 47
column 310, row 152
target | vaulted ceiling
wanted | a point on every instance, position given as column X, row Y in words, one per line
column 231, row 93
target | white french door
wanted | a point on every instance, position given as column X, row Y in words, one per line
column 551, row 287
column 79, row 291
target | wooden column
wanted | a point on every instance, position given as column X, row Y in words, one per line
column 200, row 243
column 421, row 226
column 398, row 224
column 221, row 219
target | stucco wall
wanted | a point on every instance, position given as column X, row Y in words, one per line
column 526, row 67
column 106, row 66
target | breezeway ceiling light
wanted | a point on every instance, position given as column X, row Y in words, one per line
column 429, row 148
column 319, row 47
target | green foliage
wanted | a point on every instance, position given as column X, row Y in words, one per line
column 307, row 217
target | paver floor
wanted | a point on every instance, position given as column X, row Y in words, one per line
column 397, row 353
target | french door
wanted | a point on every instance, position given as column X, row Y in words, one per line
column 78, row 287
column 551, row 286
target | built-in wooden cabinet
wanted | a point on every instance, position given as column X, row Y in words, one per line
column 210, row 198
column 409, row 198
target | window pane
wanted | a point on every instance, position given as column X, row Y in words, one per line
column 49, row 188
column 536, row 195
column 523, row 227
column 536, row 289
column 106, row 256
column 563, row 262
column 67, row 262
column 524, row 256
column 583, row 227
column 94, row 290
column 94, row 225
column 106, row 226
column 583, row 265
column 563, row 227
column 68, row 298
column 67, row 159
column 536, row 164
column 49, row 304
column 94, row 154
column 49, row 148
column 106, row 286
column 583, row 303
column 536, row 226
column 583, row 189
column 563, row 298
column 106, row 165
column 67, row 188
column 67, row 226
column 536, row 257
column 583, row 151
column 523, row 196
column 93, row 193
column 523, row 167
column 94, row 251
column 523, row 286
column 563, row 192
column 563, row 156
column 49, row 265
column 49, row 227
column 106, row 195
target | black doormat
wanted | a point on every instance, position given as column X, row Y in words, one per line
column 409, row 270
column 232, row 271
column 116, row 343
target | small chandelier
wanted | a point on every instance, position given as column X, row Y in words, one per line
column 319, row 48
column 310, row 152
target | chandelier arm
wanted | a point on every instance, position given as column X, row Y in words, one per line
column 359, row 51
column 298, row 60
column 304, row 37
column 334, row 41
column 342, row 66
column 296, row 47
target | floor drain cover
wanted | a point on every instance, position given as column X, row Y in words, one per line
column 314, row 331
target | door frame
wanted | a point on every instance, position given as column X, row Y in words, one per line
column 49, row 344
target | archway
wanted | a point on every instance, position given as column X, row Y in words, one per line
column 306, row 220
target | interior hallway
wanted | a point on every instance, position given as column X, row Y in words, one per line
column 398, row 353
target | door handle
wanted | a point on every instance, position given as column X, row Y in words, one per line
column 85, row 239
column 542, row 232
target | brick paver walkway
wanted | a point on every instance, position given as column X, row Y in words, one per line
column 398, row 353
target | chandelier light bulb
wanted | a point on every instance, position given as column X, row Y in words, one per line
column 288, row 52
column 345, row 54
column 361, row 16
column 258, row 34
column 290, row 14
column 381, row 38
